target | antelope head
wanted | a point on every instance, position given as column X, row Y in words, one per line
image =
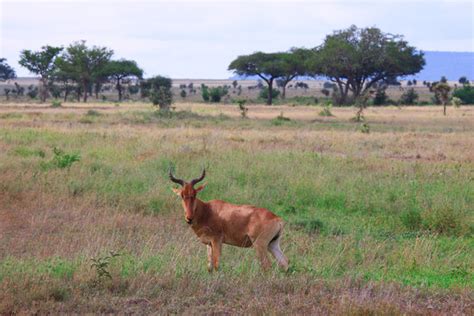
column 188, row 193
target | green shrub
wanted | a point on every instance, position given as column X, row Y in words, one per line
column 56, row 103
column 205, row 92
column 216, row 93
column 63, row 160
column 466, row 94
column 326, row 111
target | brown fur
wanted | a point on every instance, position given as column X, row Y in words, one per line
column 217, row 222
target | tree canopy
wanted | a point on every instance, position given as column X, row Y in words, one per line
column 118, row 70
column 41, row 63
column 356, row 59
column 267, row 66
column 6, row 72
column 84, row 65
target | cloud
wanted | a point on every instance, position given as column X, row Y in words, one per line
column 198, row 39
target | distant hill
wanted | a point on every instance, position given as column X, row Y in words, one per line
column 452, row 65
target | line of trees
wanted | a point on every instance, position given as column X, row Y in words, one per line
column 77, row 68
column 356, row 60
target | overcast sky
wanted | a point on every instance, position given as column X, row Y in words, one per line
column 198, row 39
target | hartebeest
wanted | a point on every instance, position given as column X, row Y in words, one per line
column 216, row 222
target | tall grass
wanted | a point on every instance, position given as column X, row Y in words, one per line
column 351, row 218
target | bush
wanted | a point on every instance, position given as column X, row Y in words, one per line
column 409, row 97
column 63, row 160
column 183, row 94
column 56, row 104
column 326, row 111
column 456, row 102
column 381, row 97
column 216, row 93
column 264, row 93
column 205, row 92
column 466, row 94
column 159, row 90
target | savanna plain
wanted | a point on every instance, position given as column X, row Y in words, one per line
column 379, row 215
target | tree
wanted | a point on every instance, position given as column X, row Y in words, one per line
column 463, row 80
column 293, row 64
column 118, row 70
column 158, row 88
column 41, row 63
column 84, row 65
column 441, row 90
column 6, row 72
column 356, row 59
column 267, row 66
column 216, row 93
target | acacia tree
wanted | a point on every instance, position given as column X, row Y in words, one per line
column 83, row 64
column 158, row 89
column 118, row 70
column 41, row 63
column 6, row 72
column 267, row 66
column 294, row 64
column 357, row 59
column 441, row 90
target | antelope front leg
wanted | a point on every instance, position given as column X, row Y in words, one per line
column 216, row 253
column 209, row 258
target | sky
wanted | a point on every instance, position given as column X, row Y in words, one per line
column 198, row 39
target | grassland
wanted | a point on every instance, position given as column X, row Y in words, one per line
column 377, row 222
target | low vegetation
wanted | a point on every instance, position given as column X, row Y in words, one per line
column 377, row 223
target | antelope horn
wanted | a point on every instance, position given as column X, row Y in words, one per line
column 194, row 181
column 176, row 180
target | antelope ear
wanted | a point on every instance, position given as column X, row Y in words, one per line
column 176, row 190
column 200, row 188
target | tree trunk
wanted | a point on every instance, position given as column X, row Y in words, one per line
column 85, row 91
column 119, row 88
column 270, row 92
column 66, row 93
column 44, row 90
column 444, row 108
column 283, row 91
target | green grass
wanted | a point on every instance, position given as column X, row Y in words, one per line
column 352, row 217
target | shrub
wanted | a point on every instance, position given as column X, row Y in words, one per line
column 183, row 94
column 264, row 93
column 63, row 160
column 216, row 93
column 243, row 109
column 280, row 119
column 381, row 97
column 205, row 92
column 365, row 128
column 456, row 102
column 409, row 97
column 466, row 94
column 159, row 90
column 326, row 111
column 56, row 104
